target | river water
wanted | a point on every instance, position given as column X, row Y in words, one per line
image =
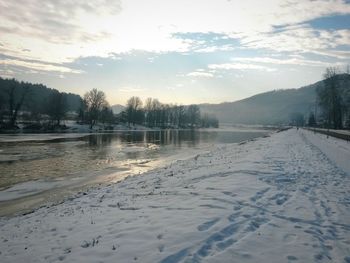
column 41, row 168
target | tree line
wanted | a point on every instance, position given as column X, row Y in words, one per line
column 334, row 99
column 43, row 108
column 33, row 103
column 152, row 113
column 332, row 102
column 156, row 114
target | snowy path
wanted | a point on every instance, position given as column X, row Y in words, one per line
column 285, row 198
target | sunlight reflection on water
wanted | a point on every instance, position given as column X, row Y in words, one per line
column 66, row 162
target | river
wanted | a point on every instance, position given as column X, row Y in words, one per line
column 37, row 169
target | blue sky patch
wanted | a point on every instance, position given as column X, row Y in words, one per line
column 331, row 22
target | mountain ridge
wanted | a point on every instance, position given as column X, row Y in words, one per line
column 272, row 107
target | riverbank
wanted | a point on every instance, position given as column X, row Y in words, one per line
column 276, row 199
column 73, row 127
column 37, row 169
column 69, row 126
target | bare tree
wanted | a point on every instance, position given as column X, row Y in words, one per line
column 94, row 101
column 149, row 111
column 330, row 99
column 153, row 112
column 156, row 114
column 134, row 110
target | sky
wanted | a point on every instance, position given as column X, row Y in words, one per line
column 179, row 51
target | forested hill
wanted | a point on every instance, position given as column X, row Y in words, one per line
column 37, row 96
column 273, row 107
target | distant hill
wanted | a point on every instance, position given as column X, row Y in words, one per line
column 117, row 108
column 273, row 107
column 38, row 95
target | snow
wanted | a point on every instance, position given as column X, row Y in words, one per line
column 336, row 150
column 27, row 188
column 283, row 198
column 345, row 132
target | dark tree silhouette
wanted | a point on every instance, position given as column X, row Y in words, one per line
column 107, row 115
column 15, row 102
column 209, row 121
column 174, row 116
column 134, row 111
column 312, row 120
column 57, row 107
column 2, row 109
column 82, row 112
column 94, row 101
column 193, row 113
column 152, row 106
column 330, row 99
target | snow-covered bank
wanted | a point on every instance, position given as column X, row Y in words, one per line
column 275, row 199
column 337, row 150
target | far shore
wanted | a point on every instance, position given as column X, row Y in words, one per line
column 73, row 127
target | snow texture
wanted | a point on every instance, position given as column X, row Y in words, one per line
column 284, row 198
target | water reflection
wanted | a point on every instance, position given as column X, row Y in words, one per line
column 187, row 138
column 61, row 159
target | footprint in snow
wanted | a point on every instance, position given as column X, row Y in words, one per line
column 289, row 238
column 205, row 226
column 161, row 248
column 229, row 193
column 292, row 258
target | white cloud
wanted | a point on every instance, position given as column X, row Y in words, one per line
column 61, row 31
column 340, row 54
column 200, row 74
column 288, row 61
column 37, row 65
column 56, row 21
column 153, row 21
column 214, row 49
column 240, row 66
column 131, row 89
column 301, row 38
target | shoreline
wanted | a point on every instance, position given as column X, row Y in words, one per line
column 84, row 129
column 24, row 196
column 52, row 197
column 29, row 204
